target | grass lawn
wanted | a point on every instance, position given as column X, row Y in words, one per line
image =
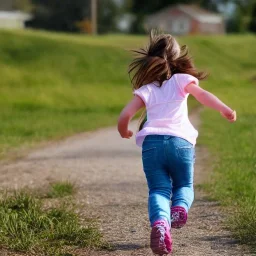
column 29, row 225
column 233, row 68
column 54, row 85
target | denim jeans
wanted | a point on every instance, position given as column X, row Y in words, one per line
column 168, row 163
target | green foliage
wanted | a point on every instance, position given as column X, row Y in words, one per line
column 61, row 189
column 23, row 5
column 108, row 12
column 252, row 25
column 241, row 19
column 59, row 15
column 211, row 5
column 147, row 7
column 233, row 25
column 63, row 15
column 26, row 226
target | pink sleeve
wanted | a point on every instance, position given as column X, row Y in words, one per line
column 143, row 93
column 184, row 80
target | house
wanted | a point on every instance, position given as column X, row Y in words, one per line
column 186, row 20
column 11, row 18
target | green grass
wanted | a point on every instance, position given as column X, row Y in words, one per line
column 26, row 226
column 111, row 40
column 61, row 189
column 232, row 66
column 56, row 85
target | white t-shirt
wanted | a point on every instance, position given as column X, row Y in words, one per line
column 167, row 111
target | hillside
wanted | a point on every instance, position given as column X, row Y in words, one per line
column 53, row 87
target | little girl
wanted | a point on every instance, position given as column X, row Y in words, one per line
column 163, row 78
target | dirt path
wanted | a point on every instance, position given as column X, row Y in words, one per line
column 108, row 173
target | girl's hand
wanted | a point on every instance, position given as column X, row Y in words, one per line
column 230, row 116
column 127, row 135
column 126, row 115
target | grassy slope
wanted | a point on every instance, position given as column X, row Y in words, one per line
column 54, row 85
column 232, row 65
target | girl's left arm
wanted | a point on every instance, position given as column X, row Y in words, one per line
column 127, row 114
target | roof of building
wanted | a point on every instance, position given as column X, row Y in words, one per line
column 200, row 14
column 194, row 11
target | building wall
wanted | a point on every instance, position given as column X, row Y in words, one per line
column 11, row 23
column 178, row 22
column 222, row 28
column 195, row 27
column 173, row 21
column 208, row 28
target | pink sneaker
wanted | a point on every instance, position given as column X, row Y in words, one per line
column 160, row 239
column 179, row 216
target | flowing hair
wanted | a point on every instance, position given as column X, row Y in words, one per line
column 159, row 61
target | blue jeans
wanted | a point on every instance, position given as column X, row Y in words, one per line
column 168, row 163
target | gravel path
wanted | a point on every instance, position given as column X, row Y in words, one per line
column 111, row 186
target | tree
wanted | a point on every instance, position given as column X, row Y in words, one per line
column 147, row 7
column 246, row 8
column 6, row 5
column 241, row 19
column 210, row 5
column 234, row 23
column 252, row 26
column 23, row 5
column 72, row 16
column 108, row 12
column 59, row 15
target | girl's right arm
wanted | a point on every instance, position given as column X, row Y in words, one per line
column 208, row 99
column 127, row 114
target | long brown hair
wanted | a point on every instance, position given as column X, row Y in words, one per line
column 159, row 61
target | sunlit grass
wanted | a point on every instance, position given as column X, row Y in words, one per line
column 61, row 189
column 52, row 88
column 112, row 40
column 232, row 146
column 26, row 226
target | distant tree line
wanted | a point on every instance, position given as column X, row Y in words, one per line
column 72, row 16
column 75, row 15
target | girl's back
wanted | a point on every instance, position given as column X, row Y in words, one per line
column 166, row 106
